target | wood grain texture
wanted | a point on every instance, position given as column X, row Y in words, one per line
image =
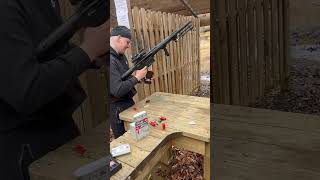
column 265, row 144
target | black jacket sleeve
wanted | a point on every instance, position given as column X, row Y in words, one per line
column 118, row 87
column 26, row 84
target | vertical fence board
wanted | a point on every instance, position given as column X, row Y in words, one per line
column 233, row 51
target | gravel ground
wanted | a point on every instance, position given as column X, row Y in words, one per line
column 303, row 95
column 204, row 90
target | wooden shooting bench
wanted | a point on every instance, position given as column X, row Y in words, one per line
column 146, row 153
column 180, row 111
column 249, row 143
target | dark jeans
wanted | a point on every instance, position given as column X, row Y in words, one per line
column 117, row 124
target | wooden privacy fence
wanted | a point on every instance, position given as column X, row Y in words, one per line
column 250, row 49
column 177, row 73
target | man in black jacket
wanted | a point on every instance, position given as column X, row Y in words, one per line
column 38, row 95
column 122, row 91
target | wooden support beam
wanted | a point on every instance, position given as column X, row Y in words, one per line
column 187, row 5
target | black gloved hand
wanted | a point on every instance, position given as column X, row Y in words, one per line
column 148, row 78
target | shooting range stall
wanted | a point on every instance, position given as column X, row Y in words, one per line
column 146, row 153
column 187, row 127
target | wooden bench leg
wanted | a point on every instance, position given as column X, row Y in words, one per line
column 206, row 162
column 166, row 157
column 150, row 164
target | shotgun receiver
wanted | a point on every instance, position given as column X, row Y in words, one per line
column 143, row 59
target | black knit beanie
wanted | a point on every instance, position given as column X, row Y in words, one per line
column 123, row 31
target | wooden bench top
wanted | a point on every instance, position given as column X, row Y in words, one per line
column 179, row 110
column 265, row 144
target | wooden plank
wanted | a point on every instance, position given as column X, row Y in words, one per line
column 260, row 47
column 147, row 144
column 206, row 162
column 166, row 157
column 192, row 58
column 146, row 46
column 182, row 40
column 194, row 64
column 252, row 46
column 179, row 59
column 233, row 53
column 286, row 42
column 187, row 72
column 137, row 24
column 254, row 160
column 285, row 138
column 192, row 45
column 159, row 58
column 281, row 42
column 152, row 31
column 191, row 39
column 171, row 52
column 275, row 59
column 267, row 117
column 165, row 69
column 177, row 56
column 185, row 61
column 224, row 52
column 198, row 57
column 183, row 50
column 168, row 58
column 243, row 55
column 136, row 156
column 193, row 54
column 215, row 57
column 268, row 43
